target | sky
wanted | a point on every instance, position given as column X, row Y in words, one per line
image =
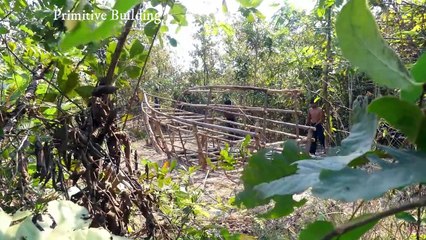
column 185, row 35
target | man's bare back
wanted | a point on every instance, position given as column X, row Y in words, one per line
column 315, row 115
column 316, row 118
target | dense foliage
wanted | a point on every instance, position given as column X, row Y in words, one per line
column 68, row 87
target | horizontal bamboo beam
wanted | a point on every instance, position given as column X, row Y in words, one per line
column 203, row 129
column 237, row 107
column 213, row 131
column 234, row 87
column 202, row 124
column 269, row 120
column 260, row 128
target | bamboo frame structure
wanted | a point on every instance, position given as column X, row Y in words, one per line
column 190, row 131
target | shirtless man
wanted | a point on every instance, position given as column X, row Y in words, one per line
column 316, row 118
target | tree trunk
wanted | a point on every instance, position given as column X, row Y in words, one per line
column 326, row 81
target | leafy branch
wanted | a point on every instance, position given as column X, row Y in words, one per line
column 109, row 80
column 151, row 46
column 356, row 224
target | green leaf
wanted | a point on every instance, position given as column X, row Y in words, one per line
column 421, row 141
column 316, row 230
column 419, row 69
column 362, row 43
column 405, row 216
column 3, row 30
column 178, row 9
column 150, row 29
column 178, row 12
column 70, row 84
column 357, row 233
column 172, row 41
column 412, row 94
column 136, row 49
column 1, row 133
column 133, row 71
column 319, row 229
column 402, row 115
column 86, row 31
column 250, row 3
column 228, row 29
column 224, row 6
column 349, row 184
column 85, row 91
column 264, row 169
column 357, row 144
column 284, row 206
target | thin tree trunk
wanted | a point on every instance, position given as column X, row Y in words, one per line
column 326, row 81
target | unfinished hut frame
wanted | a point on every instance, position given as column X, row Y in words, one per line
column 187, row 135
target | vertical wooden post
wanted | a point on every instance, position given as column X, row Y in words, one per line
column 296, row 113
column 208, row 105
column 265, row 112
column 163, row 141
column 208, row 112
column 257, row 141
column 201, row 157
column 183, row 144
column 327, row 70
column 172, row 140
column 148, row 128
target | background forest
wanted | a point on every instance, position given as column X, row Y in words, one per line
column 70, row 94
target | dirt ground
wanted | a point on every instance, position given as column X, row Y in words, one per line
column 220, row 186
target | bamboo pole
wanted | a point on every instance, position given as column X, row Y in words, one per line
column 201, row 157
column 207, row 125
column 148, row 129
column 269, row 120
column 227, row 107
column 261, row 128
column 234, row 87
column 296, row 116
column 265, row 106
column 163, row 141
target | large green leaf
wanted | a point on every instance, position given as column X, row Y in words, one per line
column 421, row 140
column 419, row 69
column 362, row 43
column 150, row 29
column 357, row 144
column 137, row 48
column 224, row 6
column 87, row 31
column 316, row 230
column 133, row 71
column 412, row 94
column 178, row 12
column 350, row 184
column 319, row 229
column 250, row 3
column 402, row 115
column 85, row 91
column 262, row 168
column 405, row 216
column 284, row 206
column 3, row 29
column 70, row 83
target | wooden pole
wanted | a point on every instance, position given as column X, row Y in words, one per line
column 265, row 112
column 296, row 115
column 201, row 157
column 148, row 129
